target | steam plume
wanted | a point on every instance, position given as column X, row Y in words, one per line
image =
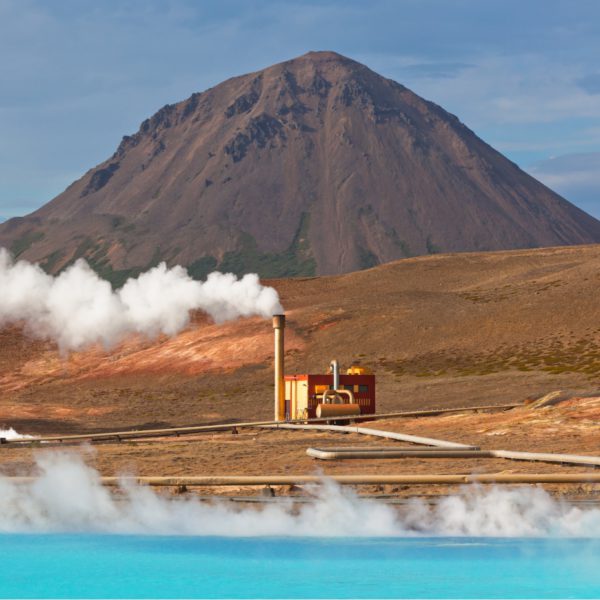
column 67, row 496
column 78, row 308
column 11, row 434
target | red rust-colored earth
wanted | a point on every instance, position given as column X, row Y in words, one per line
column 439, row 332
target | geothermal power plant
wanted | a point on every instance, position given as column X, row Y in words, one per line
column 300, row 331
column 416, row 350
column 334, row 403
column 310, row 396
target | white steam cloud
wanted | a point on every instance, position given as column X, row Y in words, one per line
column 67, row 496
column 78, row 308
column 11, row 434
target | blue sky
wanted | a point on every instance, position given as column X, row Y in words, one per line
column 77, row 75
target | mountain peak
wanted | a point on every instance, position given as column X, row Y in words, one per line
column 322, row 56
column 325, row 62
column 316, row 165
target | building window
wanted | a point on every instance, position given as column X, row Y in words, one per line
column 363, row 389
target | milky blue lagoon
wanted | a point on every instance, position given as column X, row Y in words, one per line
column 125, row 566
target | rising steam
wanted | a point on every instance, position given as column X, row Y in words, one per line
column 67, row 496
column 78, row 308
column 11, row 434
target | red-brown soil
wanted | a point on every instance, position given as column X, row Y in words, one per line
column 440, row 331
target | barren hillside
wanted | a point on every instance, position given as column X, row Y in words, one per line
column 446, row 330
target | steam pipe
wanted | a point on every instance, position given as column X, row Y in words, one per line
column 391, row 435
column 278, row 327
column 335, row 410
column 343, row 449
column 332, row 396
column 563, row 459
column 335, row 369
column 193, row 429
column 328, row 454
column 367, row 479
column 567, row 459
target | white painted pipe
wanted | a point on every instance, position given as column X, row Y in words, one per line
column 260, row 480
column 338, row 453
column 140, row 433
column 572, row 459
column 391, row 453
column 376, row 432
column 335, row 369
column 392, row 447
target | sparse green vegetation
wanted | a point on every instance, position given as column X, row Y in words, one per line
column 200, row 268
column 51, row 260
column 556, row 357
column 25, row 242
column 95, row 255
column 367, row 258
column 156, row 259
column 116, row 221
column 405, row 248
column 506, row 292
column 431, row 247
column 296, row 261
column 120, row 223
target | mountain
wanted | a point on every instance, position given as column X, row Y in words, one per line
column 316, row 165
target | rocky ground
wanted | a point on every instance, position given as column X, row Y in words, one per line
column 439, row 331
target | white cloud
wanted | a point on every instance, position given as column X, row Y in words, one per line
column 81, row 75
column 574, row 176
column 514, row 90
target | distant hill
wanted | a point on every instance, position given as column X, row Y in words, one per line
column 316, row 165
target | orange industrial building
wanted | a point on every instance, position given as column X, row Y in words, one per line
column 304, row 394
column 308, row 396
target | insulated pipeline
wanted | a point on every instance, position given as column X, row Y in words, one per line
column 196, row 429
column 391, row 435
column 325, row 454
column 262, row 480
column 379, row 453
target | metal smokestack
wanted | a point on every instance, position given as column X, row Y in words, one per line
column 335, row 369
column 279, row 326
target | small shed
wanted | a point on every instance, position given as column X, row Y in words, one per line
column 303, row 393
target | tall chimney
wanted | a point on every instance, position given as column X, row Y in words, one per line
column 279, row 326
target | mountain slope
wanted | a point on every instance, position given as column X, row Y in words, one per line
column 313, row 166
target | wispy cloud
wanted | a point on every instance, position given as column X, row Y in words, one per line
column 77, row 75
column 527, row 106
column 527, row 89
column 575, row 176
column 571, row 170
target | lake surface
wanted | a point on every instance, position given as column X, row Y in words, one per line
column 126, row 566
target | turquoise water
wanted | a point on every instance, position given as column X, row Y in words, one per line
column 108, row 566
